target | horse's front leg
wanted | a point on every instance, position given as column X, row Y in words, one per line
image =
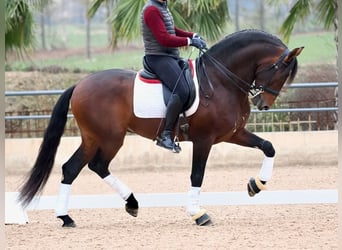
column 199, row 159
column 248, row 139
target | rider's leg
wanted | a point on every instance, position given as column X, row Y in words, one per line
column 170, row 73
column 174, row 108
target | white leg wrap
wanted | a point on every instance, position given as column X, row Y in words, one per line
column 63, row 200
column 266, row 169
column 118, row 186
column 194, row 200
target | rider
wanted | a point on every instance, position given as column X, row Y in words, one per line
column 161, row 41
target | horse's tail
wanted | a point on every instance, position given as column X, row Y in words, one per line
column 41, row 170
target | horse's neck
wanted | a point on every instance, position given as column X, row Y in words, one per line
column 233, row 70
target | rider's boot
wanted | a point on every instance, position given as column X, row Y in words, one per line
column 174, row 108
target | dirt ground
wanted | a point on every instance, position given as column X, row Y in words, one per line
column 310, row 226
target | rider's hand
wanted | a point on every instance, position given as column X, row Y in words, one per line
column 198, row 43
column 195, row 35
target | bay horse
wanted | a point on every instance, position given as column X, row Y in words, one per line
column 246, row 63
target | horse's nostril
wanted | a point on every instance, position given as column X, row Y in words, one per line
column 265, row 108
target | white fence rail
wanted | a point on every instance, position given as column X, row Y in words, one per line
column 294, row 85
column 15, row 214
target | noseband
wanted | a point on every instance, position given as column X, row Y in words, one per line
column 247, row 88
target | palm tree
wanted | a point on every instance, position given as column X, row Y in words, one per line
column 19, row 23
column 262, row 14
column 86, row 3
column 326, row 11
column 205, row 17
column 237, row 15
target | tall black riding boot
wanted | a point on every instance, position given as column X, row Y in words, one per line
column 174, row 108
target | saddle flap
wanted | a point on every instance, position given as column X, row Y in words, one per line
column 147, row 75
column 150, row 96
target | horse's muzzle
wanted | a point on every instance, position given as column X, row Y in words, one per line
column 258, row 101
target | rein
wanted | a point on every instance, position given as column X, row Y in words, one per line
column 246, row 87
column 225, row 71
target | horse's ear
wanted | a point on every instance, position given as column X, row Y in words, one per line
column 293, row 53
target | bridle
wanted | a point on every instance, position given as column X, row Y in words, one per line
column 253, row 89
column 257, row 89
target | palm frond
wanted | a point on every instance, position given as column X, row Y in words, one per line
column 205, row 17
column 126, row 19
column 299, row 11
column 208, row 17
column 179, row 13
column 19, row 26
column 93, row 7
column 327, row 12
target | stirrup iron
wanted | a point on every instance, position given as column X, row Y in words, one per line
column 176, row 148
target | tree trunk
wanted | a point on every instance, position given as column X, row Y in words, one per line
column 237, row 14
column 262, row 15
column 42, row 30
column 109, row 6
column 64, row 24
column 88, row 47
column 338, row 30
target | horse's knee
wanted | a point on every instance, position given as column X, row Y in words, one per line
column 70, row 172
column 99, row 165
column 99, row 168
column 268, row 149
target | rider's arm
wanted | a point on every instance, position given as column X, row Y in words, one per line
column 183, row 33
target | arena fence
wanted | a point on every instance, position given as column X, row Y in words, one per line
column 15, row 214
column 312, row 111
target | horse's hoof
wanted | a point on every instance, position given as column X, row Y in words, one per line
column 132, row 211
column 132, row 205
column 249, row 190
column 202, row 218
column 72, row 224
column 254, row 186
column 67, row 221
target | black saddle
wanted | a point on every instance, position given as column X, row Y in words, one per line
column 147, row 73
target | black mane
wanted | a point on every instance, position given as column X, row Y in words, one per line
column 243, row 38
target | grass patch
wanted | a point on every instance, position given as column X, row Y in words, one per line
column 74, row 36
column 127, row 59
column 320, row 48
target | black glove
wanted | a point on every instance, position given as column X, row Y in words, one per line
column 198, row 43
column 195, row 35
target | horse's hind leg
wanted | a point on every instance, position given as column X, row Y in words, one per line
column 99, row 164
column 248, row 139
column 70, row 169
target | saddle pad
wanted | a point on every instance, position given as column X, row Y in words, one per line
column 148, row 101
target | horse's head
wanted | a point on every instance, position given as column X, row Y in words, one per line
column 258, row 63
column 271, row 75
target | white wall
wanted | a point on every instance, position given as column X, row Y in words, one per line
column 310, row 147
